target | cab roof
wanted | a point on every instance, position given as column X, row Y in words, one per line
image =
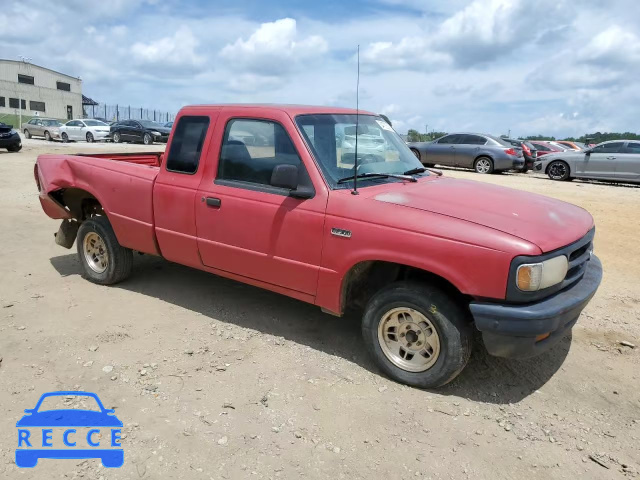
column 292, row 110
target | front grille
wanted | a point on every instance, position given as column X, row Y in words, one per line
column 578, row 258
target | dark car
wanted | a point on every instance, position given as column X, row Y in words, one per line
column 169, row 124
column 9, row 138
column 144, row 131
column 484, row 153
column 528, row 150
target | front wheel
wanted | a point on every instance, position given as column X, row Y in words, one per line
column 90, row 138
column 65, row 138
column 116, row 137
column 417, row 334
column 558, row 170
column 104, row 260
column 147, row 140
column 483, row 165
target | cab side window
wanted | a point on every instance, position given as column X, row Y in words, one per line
column 187, row 143
column 613, row 147
column 251, row 149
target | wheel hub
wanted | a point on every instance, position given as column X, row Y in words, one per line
column 95, row 252
column 409, row 339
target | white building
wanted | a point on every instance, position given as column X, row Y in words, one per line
column 38, row 91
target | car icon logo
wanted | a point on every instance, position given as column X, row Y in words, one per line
column 69, row 433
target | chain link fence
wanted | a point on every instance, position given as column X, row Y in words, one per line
column 113, row 113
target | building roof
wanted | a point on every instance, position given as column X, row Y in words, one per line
column 88, row 101
column 43, row 68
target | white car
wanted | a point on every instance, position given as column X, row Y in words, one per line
column 370, row 143
column 86, row 129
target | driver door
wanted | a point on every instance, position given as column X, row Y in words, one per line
column 601, row 162
column 248, row 227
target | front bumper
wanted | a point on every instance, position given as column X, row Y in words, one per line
column 537, row 166
column 512, row 331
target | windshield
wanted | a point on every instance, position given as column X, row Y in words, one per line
column 149, row 124
column 94, row 123
column 332, row 139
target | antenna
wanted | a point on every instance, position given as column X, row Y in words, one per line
column 355, row 160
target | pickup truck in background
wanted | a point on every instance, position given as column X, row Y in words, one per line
column 261, row 194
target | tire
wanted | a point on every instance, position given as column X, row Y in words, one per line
column 116, row 137
column 146, row 139
column 27, row 134
column 416, row 153
column 90, row 138
column 419, row 304
column 483, row 165
column 95, row 236
column 65, row 138
column 558, row 170
column 47, row 136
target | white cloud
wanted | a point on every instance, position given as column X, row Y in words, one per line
column 273, row 48
column 178, row 50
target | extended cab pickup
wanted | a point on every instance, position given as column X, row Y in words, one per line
column 267, row 195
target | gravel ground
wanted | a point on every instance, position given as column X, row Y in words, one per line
column 215, row 379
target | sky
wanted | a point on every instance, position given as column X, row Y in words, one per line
column 552, row 67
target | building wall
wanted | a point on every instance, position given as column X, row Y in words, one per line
column 44, row 90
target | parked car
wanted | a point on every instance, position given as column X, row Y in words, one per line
column 528, row 150
column 49, row 128
column 616, row 160
column 145, row 131
column 561, row 146
column 427, row 258
column 168, row 124
column 544, row 147
column 371, row 144
column 572, row 145
column 483, row 153
column 9, row 138
column 86, row 129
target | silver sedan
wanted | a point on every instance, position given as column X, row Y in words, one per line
column 484, row 153
column 616, row 160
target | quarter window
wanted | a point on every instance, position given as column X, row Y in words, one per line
column 252, row 148
column 612, row 147
column 187, row 143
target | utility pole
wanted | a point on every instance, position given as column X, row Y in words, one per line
column 509, row 134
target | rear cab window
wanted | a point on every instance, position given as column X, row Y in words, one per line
column 187, row 143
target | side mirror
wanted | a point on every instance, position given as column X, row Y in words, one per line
column 587, row 152
column 285, row 176
column 28, row 410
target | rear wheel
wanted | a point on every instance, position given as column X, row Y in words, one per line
column 27, row 134
column 104, row 260
column 65, row 138
column 116, row 137
column 147, row 140
column 483, row 165
column 558, row 170
column 90, row 137
column 417, row 334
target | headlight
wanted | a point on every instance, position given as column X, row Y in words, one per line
column 157, row 134
column 13, row 131
column 532, row 277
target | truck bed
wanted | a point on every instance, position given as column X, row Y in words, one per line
column 121, row 182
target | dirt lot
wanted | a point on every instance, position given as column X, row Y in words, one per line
column 214, row 379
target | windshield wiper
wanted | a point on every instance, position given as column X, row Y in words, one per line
column 378, row 175
column 413, row 171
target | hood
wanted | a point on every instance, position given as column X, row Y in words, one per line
column 543, row 221
column 4, row 128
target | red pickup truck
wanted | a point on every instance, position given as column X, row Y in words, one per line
column 267, row 195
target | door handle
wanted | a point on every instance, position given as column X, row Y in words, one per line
column 611, row 158
column 214, row 202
